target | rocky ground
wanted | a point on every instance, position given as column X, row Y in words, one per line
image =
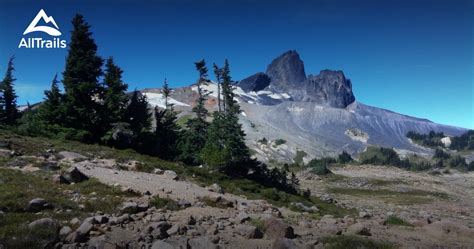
column 390, row 208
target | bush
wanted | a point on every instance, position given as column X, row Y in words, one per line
column 393, row 220
column 441, row 154
column 164, row 203
column 319, row 166
column 279, row 142
column 344, row 157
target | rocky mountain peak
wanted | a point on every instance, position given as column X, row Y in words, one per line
column 330, row 88
column 286, row 70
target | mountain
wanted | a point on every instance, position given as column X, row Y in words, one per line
column 308, row 116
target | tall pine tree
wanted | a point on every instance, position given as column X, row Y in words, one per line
column 8, row 108
column 115, row 98
column 195, row 135
column 225, row 144
column 51, row 110
column 81, row 85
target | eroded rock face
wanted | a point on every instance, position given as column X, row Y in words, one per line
column 286, row 71
column 329, row 88
column 256, row 82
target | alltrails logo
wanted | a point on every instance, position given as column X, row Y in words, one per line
column 38, row 42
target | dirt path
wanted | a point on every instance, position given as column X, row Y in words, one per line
column 154, row 183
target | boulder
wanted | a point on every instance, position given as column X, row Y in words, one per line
column 216, row 188
column 128, row 208
column 158, row 171
column 365, row 215
column 177, row 228
column 275, row 228
column 184, row 203
column 170, row 175
column 44, row 223
column 159, row 244
column 241, row 218
column 60, row 179
column 73, row 174
column 358, row 229
column 65, row 231
column 71, row 157
column 249, row 232
column 38, row 204
column 284, row 243
column 202, row 243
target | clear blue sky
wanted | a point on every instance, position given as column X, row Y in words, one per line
column 414, row 57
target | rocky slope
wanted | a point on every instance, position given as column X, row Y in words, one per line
column 315, row 115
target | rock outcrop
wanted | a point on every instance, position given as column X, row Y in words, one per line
column 256, row 82
column 286, row 71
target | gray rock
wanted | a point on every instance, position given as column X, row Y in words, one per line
column 65, row 231
column 241, row 218
column 365, row 215
column 256, row 82
column 249, row 232
column 284, row 243
column 202, row 243
column 44, row 223
column 73, row 174
column 84, row 229
column 71, row 156
column 216, row 188
column 60, row 179
column 38, row 204
column 170, row 175
column 184, row 203
column 358, row 229
column 286, row 71
column 161, row 245
column 158, row 171
column 128, row 208
column 177, row 228
column 275, row 228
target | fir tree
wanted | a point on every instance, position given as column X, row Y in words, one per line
column 8, row 108
column 51, row 111
column 195, row 136
column 115, row 99
column 137, row 114
column 80, row 79
column 225, row 144
column 166, row 93
column 217, row 72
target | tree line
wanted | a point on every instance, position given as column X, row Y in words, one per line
column 95, row 107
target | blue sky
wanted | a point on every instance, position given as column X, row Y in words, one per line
column 414, row 57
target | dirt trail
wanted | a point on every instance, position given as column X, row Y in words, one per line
column 154, row 183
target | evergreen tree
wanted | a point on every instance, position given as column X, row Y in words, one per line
column 194, row 138
column 51, row 111
column 166, row 93
column 115, row 99
column 137, row 114
column 8, row 108
column 81, row 85
column 167, row 131
column 217, row 72
column 225, row 144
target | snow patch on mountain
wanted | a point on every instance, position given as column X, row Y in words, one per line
column 157, row 99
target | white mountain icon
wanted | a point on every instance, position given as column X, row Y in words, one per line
column 48, row 19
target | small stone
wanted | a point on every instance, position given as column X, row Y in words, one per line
column 170, row 175
column 249, row 232
column 216, row 188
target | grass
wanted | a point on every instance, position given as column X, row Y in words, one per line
column 201, row 176
column 17, row 189
column 402, row 198
column 183, row 120
column 258, row 223
column 164, row 203
column 344, row 241
column 394, row 220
